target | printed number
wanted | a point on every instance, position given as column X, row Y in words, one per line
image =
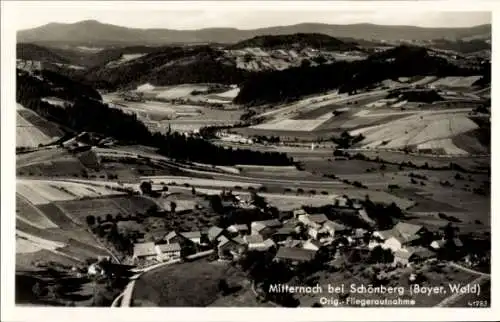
column 477, row 303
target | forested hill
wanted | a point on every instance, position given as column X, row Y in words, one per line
column 170, row 65
column 92, row 115
column 293, row 83
column 298, row 40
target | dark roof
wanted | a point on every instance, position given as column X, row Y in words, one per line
column 270, row 223
column 298, row 254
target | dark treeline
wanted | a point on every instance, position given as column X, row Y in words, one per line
column 462, row 46
column 91, row 115
column 298, row 40
column 169, row 66
column 348, row 77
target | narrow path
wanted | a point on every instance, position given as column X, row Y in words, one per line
column 466, row 269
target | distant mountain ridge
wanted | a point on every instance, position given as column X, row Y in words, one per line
column 96, row 33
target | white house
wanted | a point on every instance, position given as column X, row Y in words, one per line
column 255, row 242
column 311, row 245
column 393, row 244
column 166, row 252
column 145, row 251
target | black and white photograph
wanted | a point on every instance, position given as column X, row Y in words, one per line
column 250, row 156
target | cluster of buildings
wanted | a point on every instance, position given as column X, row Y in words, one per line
column 410, row 243
column 28, row 65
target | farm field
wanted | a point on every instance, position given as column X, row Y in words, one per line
column 461, row 82
column 424, row 131
column 199, row 182
column 45, row 191
column 186, row 284
column 28, row 135
column 30, row 214
column 47, row 128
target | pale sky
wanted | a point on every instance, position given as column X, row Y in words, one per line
column 176, row 16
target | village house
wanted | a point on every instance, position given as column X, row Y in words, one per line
column 400, row 236
column 265, row 228
column 228, row 249
column 193, row 236
column 145, row 251
column 238, row 229
column 294, row 255
column 214, row 232
column 406, row 257
column 311, row 245
column 313, row 221
column 255, row 242
column 166, row 252
column 284, row 232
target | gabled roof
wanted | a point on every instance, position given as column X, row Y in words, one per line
column 285, row 231
column 407, row 229
column 191, row 234
column 404, row 254
column 144, row 249
column 294, row 253
column 269, row 223
column 386, row 234
column 318, row 218
column 237, row 228
column 334, row 225
column 214, row 232
column 359, row 232
column 169, row 247
column 170, row 235
column 313, row 242
column 254, row 239
column 239, row 240
column 269, row 243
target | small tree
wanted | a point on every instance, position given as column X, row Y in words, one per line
column 193, row 191
column 90, row 220
column 146, row 187
column 173, row 206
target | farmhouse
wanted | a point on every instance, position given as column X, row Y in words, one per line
column 145, row 251
column 193, row 236
column 255, row 242
column 214, row 232
column 402, row 257
column 228, row 249
column 311, row 245
column 283, row 233
column 238, row 229
column 294, row 255
column 265, row 228
column 400, row 236
column 167, row 252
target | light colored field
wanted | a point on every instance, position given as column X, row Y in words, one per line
column 24, row 246
column 422, row 129
column 179, row 91
column 35, row 241
column 31, row 215
column 124, row 59
column 456, row 81
column 294, row 125
column 56, row 101
column 230, row 94
column 45, row 191
column 424, row 81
